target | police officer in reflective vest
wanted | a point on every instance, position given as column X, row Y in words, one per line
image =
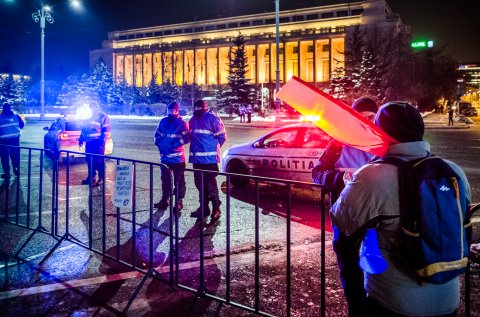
column 95, row 131
column 10, row 125
column 207, row 135
column 170, row 137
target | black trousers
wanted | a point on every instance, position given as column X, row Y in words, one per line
column 178, row 170
column 7, row 153
column 210, row 189
column 95, row 163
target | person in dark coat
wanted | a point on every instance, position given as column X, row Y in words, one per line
column 333, row 170
column 10, row 126
column 450, row 116
column 95, row 131
column 170, row 137
column 207, row 135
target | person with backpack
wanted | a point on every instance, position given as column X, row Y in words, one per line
column 412, row 199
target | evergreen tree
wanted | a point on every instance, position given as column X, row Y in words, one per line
column 7, row 88
column 21, row 88
column 101, row 84
column 153, row 93
column 188, row 94
column 168, row 92
column 239, row 90
column 368, row 79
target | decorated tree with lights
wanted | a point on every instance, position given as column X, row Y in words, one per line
column 368, row 79
column 239, row 90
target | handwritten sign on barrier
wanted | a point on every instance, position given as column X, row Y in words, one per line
column 123, row 186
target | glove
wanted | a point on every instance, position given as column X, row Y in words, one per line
column 347, row 176
column 80, row 143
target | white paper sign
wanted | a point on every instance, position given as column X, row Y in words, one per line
column 123, row 186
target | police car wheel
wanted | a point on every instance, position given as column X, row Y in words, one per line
column 238, row 167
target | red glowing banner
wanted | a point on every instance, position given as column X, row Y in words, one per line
column 337, row 119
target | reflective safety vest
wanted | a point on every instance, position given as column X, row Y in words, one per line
column 9, row 126
column 207, row 135
column 170, row 137
column 97, row 127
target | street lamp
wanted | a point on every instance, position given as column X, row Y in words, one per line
column 42, row 15
column 277, row 61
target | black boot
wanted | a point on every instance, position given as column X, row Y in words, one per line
column 198, row 213
column 162, row 204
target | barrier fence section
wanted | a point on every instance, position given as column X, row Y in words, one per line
column 45, row 198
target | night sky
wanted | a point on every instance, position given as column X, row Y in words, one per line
column 73, row 34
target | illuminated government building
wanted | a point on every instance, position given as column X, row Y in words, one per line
column 312, row 45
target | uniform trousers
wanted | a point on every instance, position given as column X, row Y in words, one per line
column 210, row 189
column 7, row 153
column 95, row 163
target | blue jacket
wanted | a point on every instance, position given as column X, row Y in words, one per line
column 333, row 163
column 95, row 128
column 10, row 125
column 207, row 135
column 170, row 137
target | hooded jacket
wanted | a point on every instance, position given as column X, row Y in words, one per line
column 170, row 137
column 207, row 135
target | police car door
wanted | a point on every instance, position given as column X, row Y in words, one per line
column 280, row 155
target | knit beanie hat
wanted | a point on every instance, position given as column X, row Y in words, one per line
column 172, row 109
column 401, row 121
column 365, row 104
column 200, row 104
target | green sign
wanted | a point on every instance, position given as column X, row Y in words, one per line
column 422, row 44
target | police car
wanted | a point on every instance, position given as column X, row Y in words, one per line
column 288, row 153
column 63, row 134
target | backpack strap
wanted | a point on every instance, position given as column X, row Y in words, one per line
column 405, row 182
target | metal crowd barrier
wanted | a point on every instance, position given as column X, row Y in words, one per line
column 132, row 238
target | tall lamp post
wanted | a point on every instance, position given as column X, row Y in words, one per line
column 42, row 15
column 277, row 61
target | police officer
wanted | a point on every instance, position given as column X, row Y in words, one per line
column 207, row 135
column 249, row 111
column 170, row 137
column 95, row 131
column 10, row 125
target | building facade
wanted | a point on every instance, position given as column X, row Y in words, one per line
column 312, row 44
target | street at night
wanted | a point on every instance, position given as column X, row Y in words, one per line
column 239, row 158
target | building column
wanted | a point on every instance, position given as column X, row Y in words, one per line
column 257, row 67
column 218, row 66
column 315, row 62
column 329, row 58
column 298, row 59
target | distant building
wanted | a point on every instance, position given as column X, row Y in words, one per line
column 312, row 45
column 471, row 72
